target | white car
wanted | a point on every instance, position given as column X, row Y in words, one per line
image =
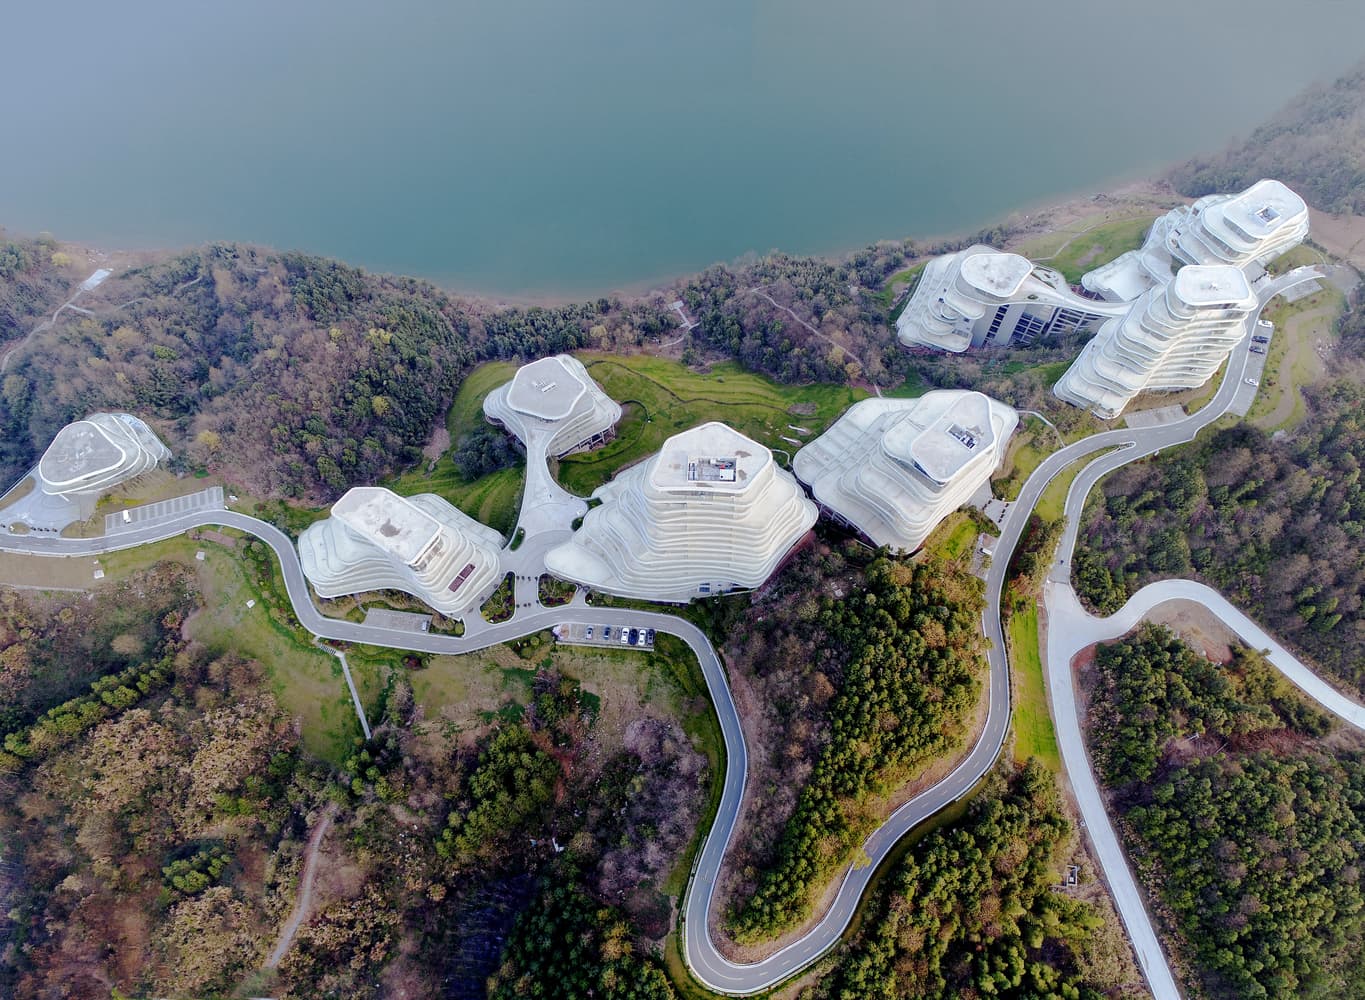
column 1253, row 381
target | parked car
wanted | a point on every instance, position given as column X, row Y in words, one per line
column 606, row 631
column 1260, row 340
column 1253, row 381
column 1257, row 350
column 649, row 637
column 589, row 631
column 634, row 636
column 625, row 637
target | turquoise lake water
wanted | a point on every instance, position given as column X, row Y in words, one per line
column 532, row 146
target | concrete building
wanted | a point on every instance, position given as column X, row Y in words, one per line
column 1175, row 336
column 983, row 297
column 1246, row 230
column 421, row 545
column 711, row 512
column 892, row 469
column 554, row 398
column 90, row 457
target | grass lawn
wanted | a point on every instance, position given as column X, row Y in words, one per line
column 663, row 397
column 494, row 499
column 896, row 283
column 1292, row 360
column 1034, row 735
column 1052, row 504
column 1032, row 443
column 953, row 537
column 1087, row 243
column 1300, row 256
column 306, row 681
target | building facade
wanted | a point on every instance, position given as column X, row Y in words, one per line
column 983, row 297
column 892, row 469
column 709, row 513
column 1175, row 336
column 555, row 399
column 1245, row 230
column 420, row 545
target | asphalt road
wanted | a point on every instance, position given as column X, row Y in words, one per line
column 709, row 966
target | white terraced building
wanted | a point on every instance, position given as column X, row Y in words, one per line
column 711, row 512
column 421, row 545
column 981, row 296
column 892, row 469
column 557, row 397
column 1174, row 337
column 1246, row 230
column 90, row 457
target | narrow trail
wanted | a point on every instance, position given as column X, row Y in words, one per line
column 305, row 900
column 758, row 290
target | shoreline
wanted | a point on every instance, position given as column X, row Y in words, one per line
column 1046, row 214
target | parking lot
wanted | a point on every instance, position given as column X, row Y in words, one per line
column 1255, row 368
column 163, row 510
column 619, row 636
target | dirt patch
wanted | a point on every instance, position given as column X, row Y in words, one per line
column 437, row 446
column 1198, row 626
column 1340, row 235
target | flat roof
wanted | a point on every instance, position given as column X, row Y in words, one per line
column 80, row 450
column 1263, row 208
column 1213, row 284
column 546, row 389
column 392, row 522
column 713, row 456
column 996, row 273
column 959, row 434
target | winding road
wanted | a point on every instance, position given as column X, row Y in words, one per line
column 705, row 961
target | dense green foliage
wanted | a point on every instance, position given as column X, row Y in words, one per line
column 1276, row 524
column 1315, row 145
column 1153, row 688
column 911, row 650
column 1251, row 833
column 1031, row 560
column 567, row 946
column 970, row 911
column 484, row 450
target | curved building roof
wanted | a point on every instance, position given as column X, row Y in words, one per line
column 421, row 545
column 894, row 468
column 710, row 512
column 555, row 402
column 94, row 455
column 1174, row 337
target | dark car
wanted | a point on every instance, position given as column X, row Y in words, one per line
column 649, row 637
column 1258, row 350
column 606, row 631
column 634, row 636
column 1260, row 340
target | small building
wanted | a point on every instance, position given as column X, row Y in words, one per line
column 710, row 512
column 984, row 297
column 554, row 399
column 421, row 545
column 90, row 457
column 892, row 469
column 1175, row 336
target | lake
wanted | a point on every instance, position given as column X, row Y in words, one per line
column 534, row 146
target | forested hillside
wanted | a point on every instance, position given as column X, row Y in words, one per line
column 903, row 655
column 971, row 912
column 1316, row 145
column 1241, row 817
column 1276, row 524
column 31, row 283
column 292, row 374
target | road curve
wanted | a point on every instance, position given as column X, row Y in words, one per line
column 710, row 967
